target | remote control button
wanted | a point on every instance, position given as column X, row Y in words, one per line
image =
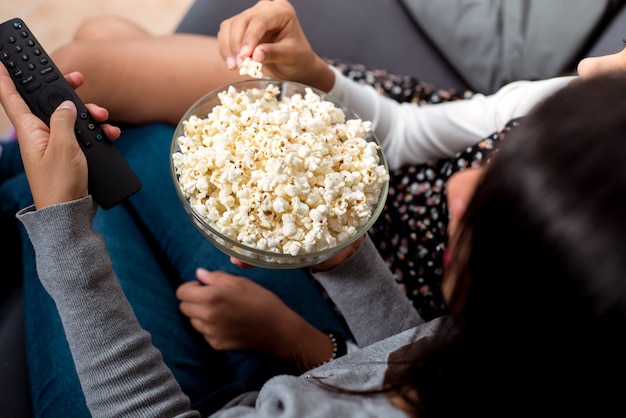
column 51, row 97
column 52, row 77
column 26, row 81
column 5, row 55
column 12, row 39
column 31, row 88
column 54, row 100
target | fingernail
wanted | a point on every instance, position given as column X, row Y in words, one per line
column 201, row 275
column 244, row 51
column 67, row 104
column 259, row 56
column 230, row 63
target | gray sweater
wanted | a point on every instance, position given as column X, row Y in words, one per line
column 123, row 374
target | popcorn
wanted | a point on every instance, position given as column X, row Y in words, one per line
column 251, row 68
column 287, row 175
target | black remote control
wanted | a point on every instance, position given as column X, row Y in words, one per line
column 43, row 88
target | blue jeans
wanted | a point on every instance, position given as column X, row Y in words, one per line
column 154, row 247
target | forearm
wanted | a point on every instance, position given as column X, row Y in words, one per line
column 367, row 295
column 304, row 344
column 321, row 76
column 121, row 373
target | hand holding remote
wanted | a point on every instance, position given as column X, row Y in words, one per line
column 44, row 88
column 54, row 164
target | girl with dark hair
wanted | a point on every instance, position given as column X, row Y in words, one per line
column 537, row 274
column 374, row 313
column 534, row 284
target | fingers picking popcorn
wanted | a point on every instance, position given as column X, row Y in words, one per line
column 252, row 68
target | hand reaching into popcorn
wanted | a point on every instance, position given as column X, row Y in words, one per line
column 270, row 33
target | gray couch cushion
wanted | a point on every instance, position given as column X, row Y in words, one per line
column 611, row 35
column 498, row 41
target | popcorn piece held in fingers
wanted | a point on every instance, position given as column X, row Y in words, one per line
column 251, row 68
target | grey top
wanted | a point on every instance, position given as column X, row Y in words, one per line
column 122, row 374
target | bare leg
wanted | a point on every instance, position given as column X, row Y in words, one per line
column 108, row 28
column 141, row 78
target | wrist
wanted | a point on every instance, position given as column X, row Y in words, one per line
column 322, row 77
column 339, row 347
column 302, row 343
column 314, row 347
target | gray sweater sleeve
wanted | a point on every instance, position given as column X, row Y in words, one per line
column 374, row 307
column 75, row 269
column 122, row 374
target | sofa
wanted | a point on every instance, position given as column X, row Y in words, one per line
column 446, row 43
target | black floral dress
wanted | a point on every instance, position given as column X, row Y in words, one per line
column 411, row 232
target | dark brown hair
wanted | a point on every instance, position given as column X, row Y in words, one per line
column 542, row 322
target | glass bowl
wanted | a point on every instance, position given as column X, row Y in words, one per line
column 231, row 245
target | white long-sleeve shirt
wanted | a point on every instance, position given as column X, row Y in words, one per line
column 411, row 134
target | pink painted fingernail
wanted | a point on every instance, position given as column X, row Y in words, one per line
column 230, row 62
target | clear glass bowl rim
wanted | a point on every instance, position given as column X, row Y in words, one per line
column 259, row 257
